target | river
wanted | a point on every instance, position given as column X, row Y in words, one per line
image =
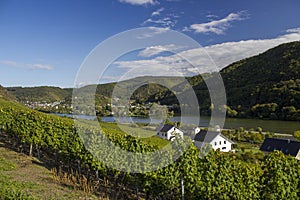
column 276, row 126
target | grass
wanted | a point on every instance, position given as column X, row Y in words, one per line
column 248, row 147
column 24, row 177
column 145, row 134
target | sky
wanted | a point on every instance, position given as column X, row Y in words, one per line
column 46, row 42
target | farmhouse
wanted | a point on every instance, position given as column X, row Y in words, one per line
column 168, row 132
column 286, row 146
column 214, row 138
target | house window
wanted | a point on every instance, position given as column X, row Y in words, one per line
column 269, row 147
column 220, row 142
column 223, row 147
column 224, row 142
column 286, row 151
column 215, row 143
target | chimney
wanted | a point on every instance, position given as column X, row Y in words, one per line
column 217, row 128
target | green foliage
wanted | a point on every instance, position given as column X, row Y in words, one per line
column 280, row 178
column 264, row 110
column 267, row 84
column 4, row 94
column 297, row 135
column 231, row 112
column 241, row 135
column 206, row 174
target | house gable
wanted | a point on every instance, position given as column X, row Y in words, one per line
column 168, row 131
column 221, row 142
column 215, row 139
column 298, row 155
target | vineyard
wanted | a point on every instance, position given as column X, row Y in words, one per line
column 214, row 176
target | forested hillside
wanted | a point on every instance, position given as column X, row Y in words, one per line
column 263, row 86
column 266, row 85
column 39, row 94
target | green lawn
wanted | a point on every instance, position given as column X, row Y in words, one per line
column 145, row 134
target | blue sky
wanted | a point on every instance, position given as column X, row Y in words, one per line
column 45, row 42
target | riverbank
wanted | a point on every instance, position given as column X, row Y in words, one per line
column 275, row 126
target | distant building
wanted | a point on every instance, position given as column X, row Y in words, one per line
column 286, row 146
column 197, row 130
column 168, row 132
column 215, row 138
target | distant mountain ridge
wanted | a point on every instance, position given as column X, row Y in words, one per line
column 263, row 86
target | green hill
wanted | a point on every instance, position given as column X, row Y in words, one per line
column 266, row 85
column 262, row 86
column 39, row 94
column 4, row 94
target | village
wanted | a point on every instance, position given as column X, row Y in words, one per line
column 217, row 141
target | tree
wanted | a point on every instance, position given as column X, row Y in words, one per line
column 297, row 135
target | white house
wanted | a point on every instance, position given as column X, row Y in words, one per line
column 168, row 132
column 215, row 139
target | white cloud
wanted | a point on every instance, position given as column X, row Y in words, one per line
column 139, row 2
column 210, row 16
column 158, row 20
column 107, row 79
column 186, row 29
column 155, row 50
column 162, row 66
column 157, row 12
column 293, row 30
column 218, row 26
column 10, row 63
column 206, row 59
column 152, row 32
column 39, row 66
column 164, row 22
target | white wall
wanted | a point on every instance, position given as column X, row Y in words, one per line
column 169, row 134
column 298, row 155
column 197, row 130
column 220, row 143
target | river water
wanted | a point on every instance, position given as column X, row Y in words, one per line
column 276, row 126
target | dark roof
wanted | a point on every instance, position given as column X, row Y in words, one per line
column 289, row 147
column 165, row 128
column 206, row 136
column 288, row 138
